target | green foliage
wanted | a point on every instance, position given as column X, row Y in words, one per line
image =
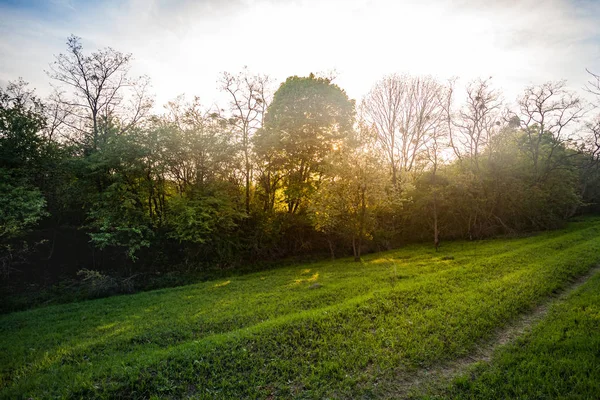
column 502, row 195
column 270, row 334
column 23, row 156
column 350, row 196
column 118, row 219
column 308, row 119
column 118, row 216
column 21, row 206
column 197, row 187
column 21, row 120
column 197, row 220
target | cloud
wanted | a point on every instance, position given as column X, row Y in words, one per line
column 184, row 45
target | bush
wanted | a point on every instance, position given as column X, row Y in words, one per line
column 97, row 284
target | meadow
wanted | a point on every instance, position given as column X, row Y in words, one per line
column 332, row 329
column 557, row 359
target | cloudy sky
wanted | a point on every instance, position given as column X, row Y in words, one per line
column 183, row 45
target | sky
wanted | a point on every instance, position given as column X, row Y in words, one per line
column 184, row 45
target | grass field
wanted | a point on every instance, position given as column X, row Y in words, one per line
column 558, row 359
column 325, row 330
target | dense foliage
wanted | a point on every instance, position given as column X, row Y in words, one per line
column 92, row 178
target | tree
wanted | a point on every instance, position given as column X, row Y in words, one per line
column 347, row 200
column 308, row 119
column 434, row 148
column 249, row 97
column 547, row 112
column 197, row 171
column 589, row 147
column 471, row 133
column 403, row 110
column 21, row 123
column 95, row 87
column 22, row 204
column 197, row 146
column 475, row 124
column 118, row 215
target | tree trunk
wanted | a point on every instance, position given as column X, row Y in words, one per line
column 355, row 249
column 331, row 249
column 247, row 191
column 361, row 224
column 248, row 168
column 436, row 233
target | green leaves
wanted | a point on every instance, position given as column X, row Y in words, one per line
column 308, row 118
column 21, row 206
column 119, row 219
column 195, row 220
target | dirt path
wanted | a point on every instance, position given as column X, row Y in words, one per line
column 430, row 379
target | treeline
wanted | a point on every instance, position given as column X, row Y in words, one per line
column 91, row 178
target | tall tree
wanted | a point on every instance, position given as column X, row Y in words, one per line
column 347, row 200
column 435, row 145
column 403, row 109
column 476, row 122
column 249, row 96
column 22, row 149
column 547, row 112
column 308, row 119
column 471, row 132
column 94, row 87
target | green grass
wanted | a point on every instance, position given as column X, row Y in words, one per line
column 274, row 334
column 558, row 359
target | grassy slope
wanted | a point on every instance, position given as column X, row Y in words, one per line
column 558, row 359
column 271, row 334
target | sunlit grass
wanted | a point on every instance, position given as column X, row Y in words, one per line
column 277, row 333
column 558, row 359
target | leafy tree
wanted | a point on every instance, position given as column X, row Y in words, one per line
column 22, row 204
column 197, row 146
column 117, row 215
column 346, row 203
column 308, row 119
column 21, row 122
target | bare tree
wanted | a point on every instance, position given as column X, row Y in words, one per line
column 474, row 125
column 548, row 113
column 382, row 108
column 589, row 145
column 438, row 140
column 248, row 99
column 95, row 87
column 434, row 148
column 471, row 130
column 404, row 111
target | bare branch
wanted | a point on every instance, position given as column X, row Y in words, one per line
column 97, row 85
